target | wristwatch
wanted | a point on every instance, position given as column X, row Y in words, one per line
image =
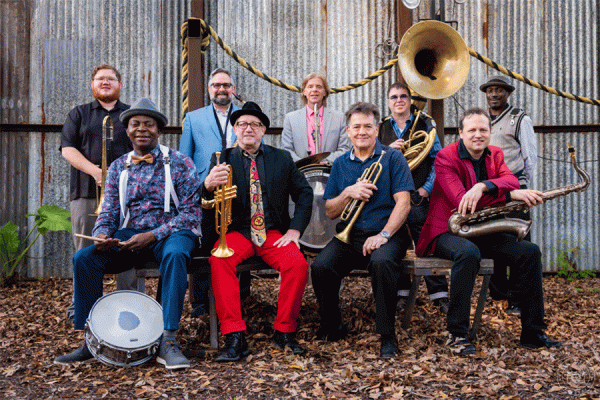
column 385, row 234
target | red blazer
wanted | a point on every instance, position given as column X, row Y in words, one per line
column 453, row 178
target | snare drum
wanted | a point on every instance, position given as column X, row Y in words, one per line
column 124, row 328
column 320, row 229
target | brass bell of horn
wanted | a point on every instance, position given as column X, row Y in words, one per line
column 433, row 59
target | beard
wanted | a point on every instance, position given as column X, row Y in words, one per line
column 108, row 98
column 222, row 101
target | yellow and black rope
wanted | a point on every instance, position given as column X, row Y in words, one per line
column 207, row 31
column 529, row 82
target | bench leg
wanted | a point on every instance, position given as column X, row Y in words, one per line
column 480, row 304
column 412, row 299
column 214, row 340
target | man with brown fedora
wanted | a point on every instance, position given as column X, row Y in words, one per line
column 512, row 131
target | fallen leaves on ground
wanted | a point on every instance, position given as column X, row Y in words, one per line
column 33, row 331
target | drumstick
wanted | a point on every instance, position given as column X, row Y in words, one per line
column 95, row 239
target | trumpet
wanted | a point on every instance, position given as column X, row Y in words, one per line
column 224, row 195
column 107, row 134
column 353, row 209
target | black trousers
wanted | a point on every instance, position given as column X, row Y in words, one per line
column 336, row 261
column 437, row 286
column 524, row 260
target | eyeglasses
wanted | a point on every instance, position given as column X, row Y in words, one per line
column 244, row 125
column 221, row 85
column 395, row 97
column 111, row 80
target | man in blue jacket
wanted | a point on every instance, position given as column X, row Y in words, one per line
column 206, row 131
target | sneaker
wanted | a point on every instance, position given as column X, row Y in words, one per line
column 513, row 308
column 402, row 301
column 81, row 354
column 170, row 355
column 71, row 313
column 443, row 304
column 460, row 345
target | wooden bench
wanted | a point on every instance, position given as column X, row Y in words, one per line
column 415, row 266
column 429, row 266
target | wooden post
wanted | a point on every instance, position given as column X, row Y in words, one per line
column 404, row 18
column 196, row 85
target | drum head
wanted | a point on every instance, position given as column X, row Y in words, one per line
column 321, row 229
column 126, row 319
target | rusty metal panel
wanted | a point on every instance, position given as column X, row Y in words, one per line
column 14, row 105
column 288, row 40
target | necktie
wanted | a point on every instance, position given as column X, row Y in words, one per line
column 258, row 232
column 148, row 158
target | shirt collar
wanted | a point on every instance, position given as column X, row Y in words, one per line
column 311, row 111
column 242, row 151
column 464, row 154
column 118, row 105
column 376, row 152
column 155, row 152
column 221, row 112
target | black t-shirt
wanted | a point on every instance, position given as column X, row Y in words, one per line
column 83, row 131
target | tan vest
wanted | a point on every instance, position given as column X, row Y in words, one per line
column 505, row 129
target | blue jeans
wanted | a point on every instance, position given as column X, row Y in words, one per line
column 172, row 253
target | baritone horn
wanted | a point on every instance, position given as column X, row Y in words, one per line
column 107, row 134
column 224, row 195
column 353, row 208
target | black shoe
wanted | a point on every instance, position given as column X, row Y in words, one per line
column 283, row 339
column 460, row 345
column 332, row 335
column 389, row 346
column 81, row 354
column 538, row 340
column 443, row 304
column 236, row 348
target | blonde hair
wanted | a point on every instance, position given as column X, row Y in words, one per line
column 325, row 85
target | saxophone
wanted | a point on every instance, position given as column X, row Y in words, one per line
column 484, row 222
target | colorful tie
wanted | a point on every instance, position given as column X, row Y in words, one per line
column 258, row 232
column 148, row 158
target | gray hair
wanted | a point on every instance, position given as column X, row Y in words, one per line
column 363, row 108
column 220, row 71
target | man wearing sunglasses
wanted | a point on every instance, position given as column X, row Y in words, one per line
column 394, row 132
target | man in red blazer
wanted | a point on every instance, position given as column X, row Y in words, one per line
column 471, row 175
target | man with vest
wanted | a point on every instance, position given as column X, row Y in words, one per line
column 149, row 212
column 512, row 131
column 395, row 132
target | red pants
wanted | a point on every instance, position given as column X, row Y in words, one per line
column 288, row 260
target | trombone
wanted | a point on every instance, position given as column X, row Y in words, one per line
column 353, row 209
column 224, row 195
column 107, row 134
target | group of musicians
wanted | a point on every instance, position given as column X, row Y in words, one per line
column 152, row 210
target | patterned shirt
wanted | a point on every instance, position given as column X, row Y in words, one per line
column 145, row 196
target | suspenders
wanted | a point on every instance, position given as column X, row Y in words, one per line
column 169, row 188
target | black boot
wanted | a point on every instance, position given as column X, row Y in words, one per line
column 81, row 354
column 236, row 348
column 283, row 339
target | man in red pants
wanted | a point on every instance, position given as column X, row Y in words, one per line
column 265, row 177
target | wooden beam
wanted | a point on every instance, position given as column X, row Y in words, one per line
column 196, row 84
column 403, row 22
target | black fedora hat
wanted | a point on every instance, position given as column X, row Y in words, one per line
column 145, row 107
column 250, row 108
column 498, row 80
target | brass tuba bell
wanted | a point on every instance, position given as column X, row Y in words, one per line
column 433, row 59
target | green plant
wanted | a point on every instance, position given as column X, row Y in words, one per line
column 12, row 250
column 567, row 264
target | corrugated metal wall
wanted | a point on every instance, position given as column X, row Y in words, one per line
column 554, row 42
column 14, row 107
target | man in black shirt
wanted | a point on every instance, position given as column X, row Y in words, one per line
column 81, row 146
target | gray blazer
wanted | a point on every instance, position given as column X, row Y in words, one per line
column 294, row 137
